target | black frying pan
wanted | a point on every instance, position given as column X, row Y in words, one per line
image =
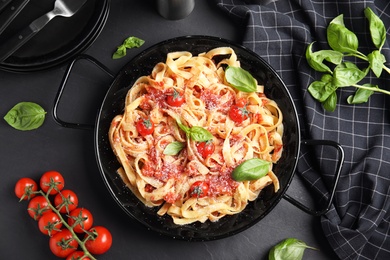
column 113, row 104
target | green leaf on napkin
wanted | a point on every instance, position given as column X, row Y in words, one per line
column 128, row 43
column 25, row 116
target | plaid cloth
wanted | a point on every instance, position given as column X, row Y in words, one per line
column 357, row 225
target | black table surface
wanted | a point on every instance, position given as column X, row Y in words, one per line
column 71, row 151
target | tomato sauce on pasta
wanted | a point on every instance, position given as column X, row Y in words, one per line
column 193, row 90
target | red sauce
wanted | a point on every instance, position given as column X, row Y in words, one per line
column 222, row 184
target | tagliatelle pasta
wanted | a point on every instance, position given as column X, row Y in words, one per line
column 165, row 179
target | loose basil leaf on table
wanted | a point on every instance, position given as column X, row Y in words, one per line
column 377, row 28
column 252, row 169
column 316, row 59
column 361, row 95
column 25, row 116
column 340, row 38
column 344, row 44
column 128, row 43
column 290, row 248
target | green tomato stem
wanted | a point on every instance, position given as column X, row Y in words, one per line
column 70, row 228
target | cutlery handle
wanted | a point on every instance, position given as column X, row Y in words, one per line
column 15, row 42
column 11, row 11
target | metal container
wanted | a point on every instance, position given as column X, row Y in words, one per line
column 175, row 9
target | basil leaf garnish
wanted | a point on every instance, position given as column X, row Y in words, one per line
column 290, row 248
column 252, row 169
column 196, row 133
column 25, row 116
column 173, row 148
column 240, row 79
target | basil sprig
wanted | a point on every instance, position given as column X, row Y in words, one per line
column 344, row 43
column 128, row 43
column 290, row 248
column 240, row 79
column 196, row 133
column 173, row 148
column 25, row 116
column 252, row 169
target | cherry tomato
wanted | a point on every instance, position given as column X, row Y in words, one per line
column 175, row 99
column 63, row 244
column 241, row 102
column 37, row 207
column 50, row 223
column 76, row 255
column 199, row 189
column 145, row 127
column 25, row 187
column 100, row 242
column 238, row 114
column 53, row 180
column 83, row 217
column 205, row 149
column 66, row 201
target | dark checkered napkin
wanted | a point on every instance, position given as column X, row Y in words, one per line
column 358, row 224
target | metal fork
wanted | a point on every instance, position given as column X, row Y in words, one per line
column 65, row 8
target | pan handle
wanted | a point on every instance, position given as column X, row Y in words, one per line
column 65, row 78
column 335, row 179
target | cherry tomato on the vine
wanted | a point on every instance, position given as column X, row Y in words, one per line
column 63, row 244
column 53, row 180
column 66, row 201
column 175, row 99
column 145, row 127
column 100, row 242
column 76, row 255
column 37, row 207
column 81, row 219
column 238, row 112
column 25, row 188
column 205, row 149
column 199, row 189
column 50, row 223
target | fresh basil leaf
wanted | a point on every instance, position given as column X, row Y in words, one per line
column 133, row 42
column 376, row 60
column 321, row 90
column 361, row 95
column 25, row 116
column 120, row 52
column 347, row 74
column 330, row 103
column 252, row 169
column 290, row 248
column 240, row 79
column 199, row 134
column 183, row 127
column 377, row 28
column 174, row 148
column 340, row 38
column 128, row 43
column 316, row 59
column 196, row 133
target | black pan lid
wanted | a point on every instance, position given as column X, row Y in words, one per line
column 60, row 40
